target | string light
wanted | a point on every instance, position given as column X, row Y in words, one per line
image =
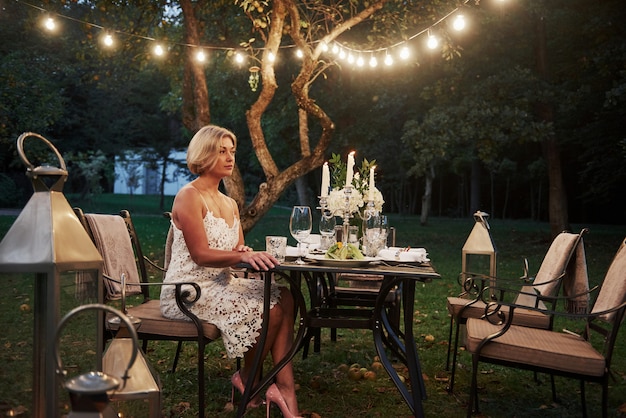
column 50, row 24
column 342, row 52
column 432, row 41
column 200, row 55
column 459, row 22
column 107, row 40
column 158, row 50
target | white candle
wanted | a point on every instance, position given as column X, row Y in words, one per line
column 371, row 186
column 350, row 169
column 325, row 180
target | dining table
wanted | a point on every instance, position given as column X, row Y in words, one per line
column 317, row 277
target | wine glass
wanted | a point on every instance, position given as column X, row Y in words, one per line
column 300, row 225
column 327, row 230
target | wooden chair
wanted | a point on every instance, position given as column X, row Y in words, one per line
column 546, row 283
column 558, row 353
column 116, row 239
column 356, row 290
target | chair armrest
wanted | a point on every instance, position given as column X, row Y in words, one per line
column 155, row 265
column 183, row 297
column 493, row 307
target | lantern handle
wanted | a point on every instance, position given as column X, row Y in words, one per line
column 96, row 306
column 34, row 172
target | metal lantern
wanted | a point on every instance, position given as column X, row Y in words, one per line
column 90, row 392
column 479, row 251
column 47, row 239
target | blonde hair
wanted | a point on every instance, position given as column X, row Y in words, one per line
column 203, row 148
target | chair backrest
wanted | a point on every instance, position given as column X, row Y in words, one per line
column 555, row 263
column 112, row 237
column 613, row 290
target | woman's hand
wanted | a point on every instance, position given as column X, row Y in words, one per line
column 259, row 260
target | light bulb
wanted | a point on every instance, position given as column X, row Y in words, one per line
column 373, row 62
column 158, row 50
column 360, row 62
column 342, row 54
column 108, row 40
column 459, row 22
column 238, row 58
column 335, row 49
column 299, row 53
column 50, row 24
column 404, row 53
column 388, row 59
column 271, row 57
column 432, row 42
column 350, row 58
column 201, row 56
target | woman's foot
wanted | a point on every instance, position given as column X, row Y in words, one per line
column 236, row 382
column 273, row 395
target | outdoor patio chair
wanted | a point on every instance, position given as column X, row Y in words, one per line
column 116, row 239
column 546, row 283
column 558, row 353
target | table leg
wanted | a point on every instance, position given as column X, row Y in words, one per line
column 251, row 391
column 414, row 397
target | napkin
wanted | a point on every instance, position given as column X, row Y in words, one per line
column 413, row 255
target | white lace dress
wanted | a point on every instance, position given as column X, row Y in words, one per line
column 234, row 305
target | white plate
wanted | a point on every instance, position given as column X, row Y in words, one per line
column 331, row 262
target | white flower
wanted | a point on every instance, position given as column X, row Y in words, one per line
column 337, row 201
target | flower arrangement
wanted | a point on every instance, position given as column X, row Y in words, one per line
column 360, row 187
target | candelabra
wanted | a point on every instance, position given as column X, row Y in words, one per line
column 347, row 214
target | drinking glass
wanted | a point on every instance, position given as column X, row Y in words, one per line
column 300, row 225
column 375, row 234
column 327, row 231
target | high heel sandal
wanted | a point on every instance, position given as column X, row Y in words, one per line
column 236, row 382
column 273, row 395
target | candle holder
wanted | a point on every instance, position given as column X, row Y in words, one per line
column 347, row 214
column 323, row 204
column 370, row 210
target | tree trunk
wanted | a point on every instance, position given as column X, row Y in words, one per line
column 557, row 198
column 195, row 108
column 428, row 192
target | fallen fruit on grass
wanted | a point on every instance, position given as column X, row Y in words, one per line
column 316, row 382
column 369, row 375
column 354, row 373
column 376, row 366
column 343, row 368
column 363, row 370
column 429, row 338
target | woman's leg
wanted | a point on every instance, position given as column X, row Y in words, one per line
column 279, row 341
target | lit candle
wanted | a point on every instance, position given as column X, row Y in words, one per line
column 325, row 180
column 371, row 187
column 350, row 169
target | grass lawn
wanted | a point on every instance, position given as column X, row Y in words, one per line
column 325, row 390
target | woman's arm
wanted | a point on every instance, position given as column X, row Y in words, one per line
column 188, row 214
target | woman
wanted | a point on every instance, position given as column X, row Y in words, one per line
column 208, row 240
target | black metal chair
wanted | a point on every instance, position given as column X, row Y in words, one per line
column 499, row 341
column 117, row 241
column 546, row 283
